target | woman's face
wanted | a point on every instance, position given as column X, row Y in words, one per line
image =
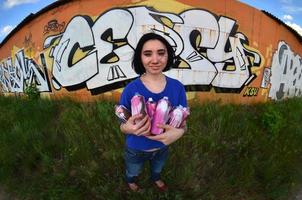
column 154, row 57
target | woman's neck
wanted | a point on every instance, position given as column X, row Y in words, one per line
column 154, row 83
column 155, row 78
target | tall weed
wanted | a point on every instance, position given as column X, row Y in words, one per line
column 71, row 150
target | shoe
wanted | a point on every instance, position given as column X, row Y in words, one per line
column 134, row 187
column 161, row 186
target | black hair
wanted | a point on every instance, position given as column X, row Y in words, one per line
column 137, row 64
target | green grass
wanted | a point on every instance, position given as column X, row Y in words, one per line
column 70, row 150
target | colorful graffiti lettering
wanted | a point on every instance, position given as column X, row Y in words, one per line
column 24, row 72
column 53, row 26
column 266, row 77
column 210, row 52
column 251, row 91
column 286, row 73
column 28, row 41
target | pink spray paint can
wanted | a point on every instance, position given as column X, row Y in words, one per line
column 151, row 106
column 122, row 113
column 138, row 105
column 176, row 116
column 186, row 113
column 161, row 115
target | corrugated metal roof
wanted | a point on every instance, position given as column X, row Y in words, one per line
column 31, row 16
column 298, row 36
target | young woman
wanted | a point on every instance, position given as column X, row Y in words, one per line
column 153, row 56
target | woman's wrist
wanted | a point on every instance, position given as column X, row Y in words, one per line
column 181, row 132
column 123, row 128
column 185, row 128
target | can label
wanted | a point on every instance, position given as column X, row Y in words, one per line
column 151, row 106
column 176, row 117
column 138, row 105
column 161, row 115
column 122, row 113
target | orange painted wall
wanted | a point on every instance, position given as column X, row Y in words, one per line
column 265, row 39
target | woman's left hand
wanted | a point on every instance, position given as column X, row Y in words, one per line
column 169, row 135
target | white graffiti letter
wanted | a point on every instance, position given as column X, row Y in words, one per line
column 197, row 34
column 286, row 80
column 114, row 54
column 77, row 36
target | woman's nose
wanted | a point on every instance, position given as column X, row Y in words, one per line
column 154, row 58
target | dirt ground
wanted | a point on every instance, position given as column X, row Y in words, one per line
column 299, row 196
column 5, row 196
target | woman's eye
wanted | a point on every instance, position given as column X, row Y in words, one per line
column 147, row 54
column 161, row 52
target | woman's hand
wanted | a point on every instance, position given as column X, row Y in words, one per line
column 142, row 127
column 169, row 136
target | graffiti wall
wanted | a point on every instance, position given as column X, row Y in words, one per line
column 83, row 49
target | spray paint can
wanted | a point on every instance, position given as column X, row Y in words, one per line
column 138, row 105
column 176, row 116
column 161, row 115
column 151, row 106
column 122, row 113
column 186, row 113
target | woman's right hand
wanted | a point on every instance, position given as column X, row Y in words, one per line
column 142, row 127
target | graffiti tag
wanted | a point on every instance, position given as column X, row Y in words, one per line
column 209, row 50
column 286, row 73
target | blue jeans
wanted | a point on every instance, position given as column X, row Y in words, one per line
column 135, row 160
